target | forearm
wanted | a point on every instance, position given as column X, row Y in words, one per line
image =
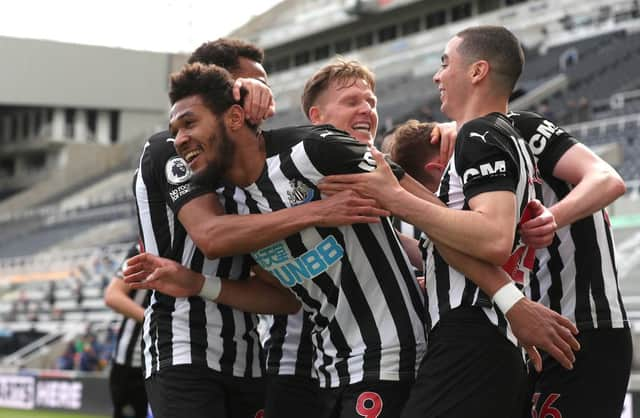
column 124, row 305
column 257, row 297
column 594, row 192
column 488, row 277
column 228, row 235
column 411, row 247
column 474, row 233
column 415, row 188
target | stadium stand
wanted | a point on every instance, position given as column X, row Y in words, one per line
column 62, row 236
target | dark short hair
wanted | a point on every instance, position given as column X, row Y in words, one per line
column 340, row 70
column 411, row 147
column 499, row 47
column 225, row 52
column 212, row 83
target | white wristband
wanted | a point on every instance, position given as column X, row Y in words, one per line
column 210, row 288
column 507, row 296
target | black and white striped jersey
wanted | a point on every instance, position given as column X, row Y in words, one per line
column 187, row 330
column 489, row 156
column 127, row 350
column 576, row 275
column 287, row 344
column 406, row 228
column 356, row 281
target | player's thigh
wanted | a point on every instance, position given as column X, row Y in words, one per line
column 245, row 396
column 291, row 397
column 470, row 370
column 186, row 391
column 597, row 384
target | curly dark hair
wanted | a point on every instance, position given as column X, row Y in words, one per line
column 214, row 84
column 224, row 52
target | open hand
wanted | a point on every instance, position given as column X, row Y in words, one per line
column 537, row 326
column 148, row 271
column 259, row 103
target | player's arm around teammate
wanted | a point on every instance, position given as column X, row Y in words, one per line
column 262, row 293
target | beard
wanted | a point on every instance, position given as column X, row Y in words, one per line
column 213, row 174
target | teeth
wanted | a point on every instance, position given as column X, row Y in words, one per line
column 361, row 126
column 191, row 155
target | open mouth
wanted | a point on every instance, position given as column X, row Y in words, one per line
column 362, row 127
column 191, row 155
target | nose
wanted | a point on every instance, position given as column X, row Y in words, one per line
column 181, row 141
column 436, row 77
column 365, row 107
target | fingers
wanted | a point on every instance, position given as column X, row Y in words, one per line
column 536, row 207
column 435, row 135
column 236, row 89
column 534, row 357
column 258, row 102
column 561, row 357
column 330, row 189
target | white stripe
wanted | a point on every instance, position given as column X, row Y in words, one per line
column 608, row 272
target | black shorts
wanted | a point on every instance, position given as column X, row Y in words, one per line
column 377, row 399
column 597, row 385
column 188, row 391
column 470, row 370
column 127, row 391
column 291, row 397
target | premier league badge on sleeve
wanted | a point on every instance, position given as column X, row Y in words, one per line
column 177, row 171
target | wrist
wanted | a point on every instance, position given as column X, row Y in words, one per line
column 210, row 287
column 507, row 296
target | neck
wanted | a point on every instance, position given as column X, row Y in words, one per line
column 481, row 104
column 248, row 159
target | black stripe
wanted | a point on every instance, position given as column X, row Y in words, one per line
column 250, row 336
column 362, row 312
column 339, row 341
column 612, row 256
column 534, row 283
column 157, row 212
column 555, row 266
column 391, row 291
column 197, row 318
column 229, row 350
column 306, row 351
column 588, row 273
column 273, row 345
column 443, row 283
column 406, row 270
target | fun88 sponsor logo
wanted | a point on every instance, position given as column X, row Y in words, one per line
column 291, row 270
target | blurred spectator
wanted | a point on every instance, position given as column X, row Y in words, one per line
column 584, row 109
column 126, row 380
column 67, row 358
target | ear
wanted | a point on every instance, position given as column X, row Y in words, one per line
column 315, row 115
column 434, row 166
column 234, row 117
column 479, row 71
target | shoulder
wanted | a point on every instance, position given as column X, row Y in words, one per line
column 486, row 131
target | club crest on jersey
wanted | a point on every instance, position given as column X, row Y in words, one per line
column 177, row 171
column 300, row 193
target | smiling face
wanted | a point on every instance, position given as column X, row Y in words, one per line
column 350, row 106
column 200, row 138
column 453, row 80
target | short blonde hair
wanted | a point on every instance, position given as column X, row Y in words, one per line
column 340, row 70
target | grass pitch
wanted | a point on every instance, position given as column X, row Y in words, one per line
column 19, row 413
